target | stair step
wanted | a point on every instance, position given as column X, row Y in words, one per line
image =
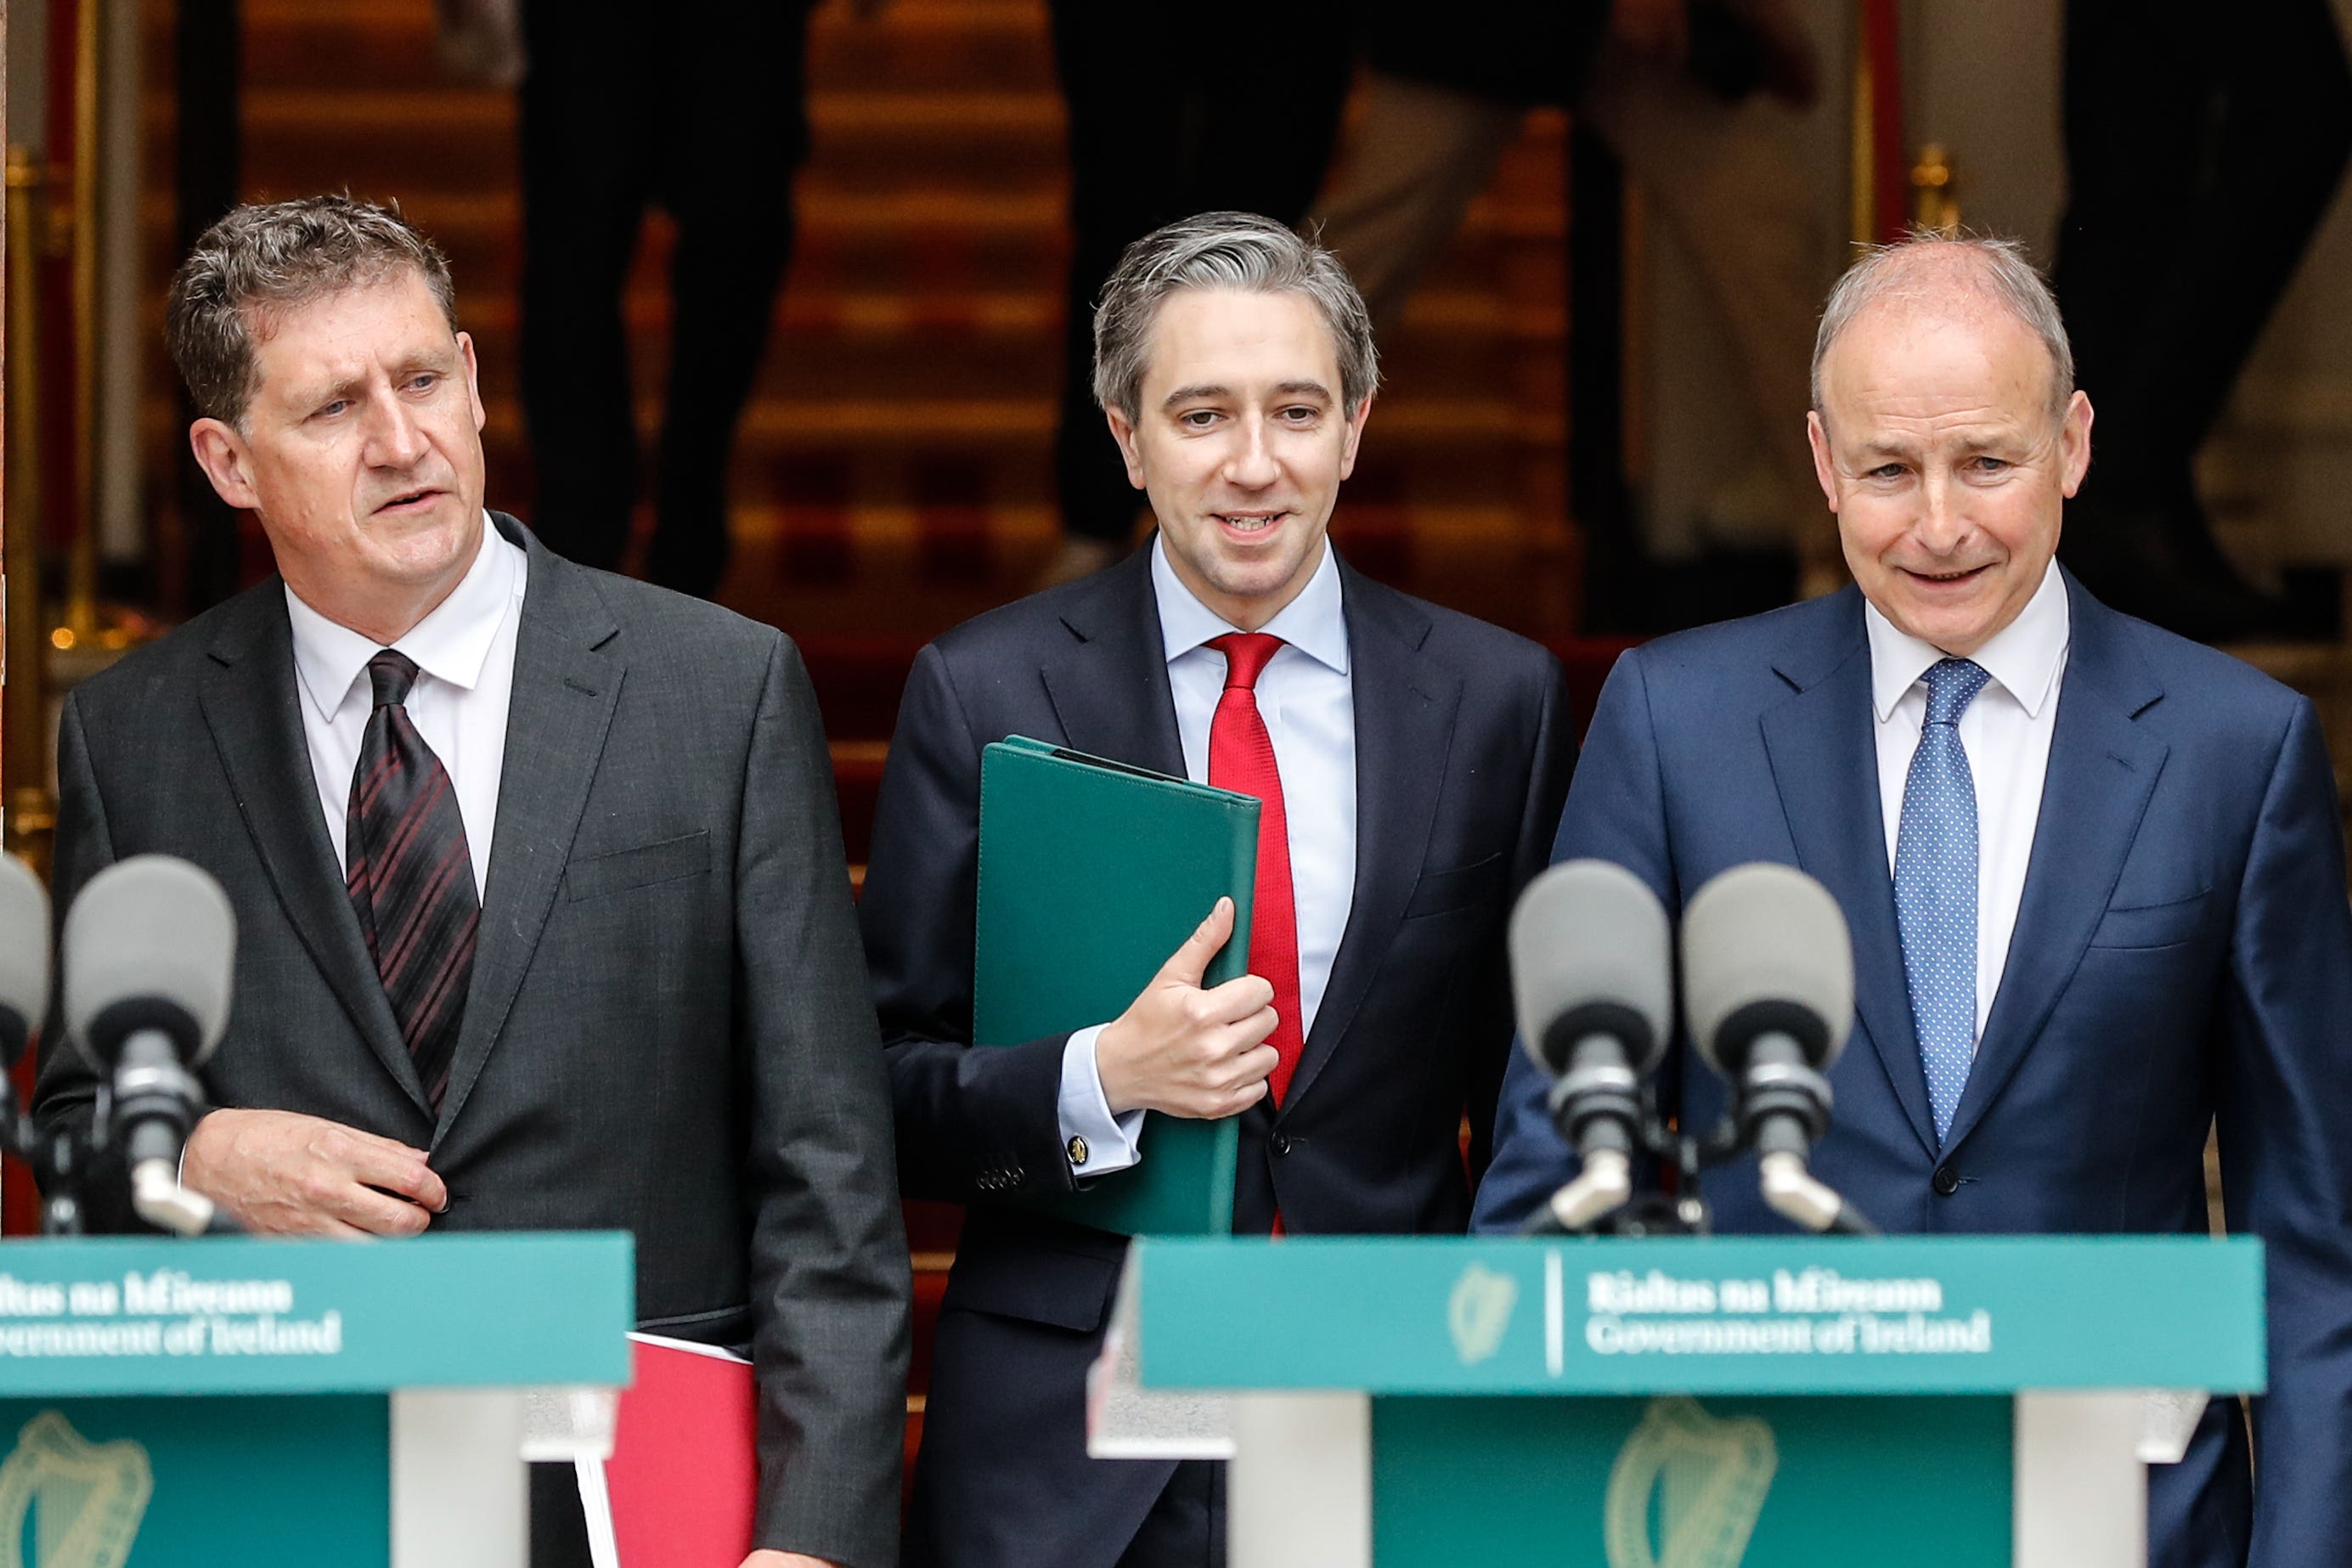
column 910, row 43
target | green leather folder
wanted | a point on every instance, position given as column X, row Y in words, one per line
column 1091, row 873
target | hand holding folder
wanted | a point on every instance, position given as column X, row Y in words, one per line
column 1091, row 874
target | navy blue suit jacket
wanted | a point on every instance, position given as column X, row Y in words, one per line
column 1462, row 750
column 2183, row 952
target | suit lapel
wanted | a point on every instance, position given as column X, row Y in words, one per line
column 1110, row 685
column 249, row 700
column 1405, row 706
column 561, row 706
column 1826, row 767
column 2102, row 769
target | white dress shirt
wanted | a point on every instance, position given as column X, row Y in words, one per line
column 2006, row 733
column 464, row 652
column 1307, row 702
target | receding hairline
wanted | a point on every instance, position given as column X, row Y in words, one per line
column 1966, row 279
column 1957, row 291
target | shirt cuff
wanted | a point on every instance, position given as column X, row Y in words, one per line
column 1095, row 1141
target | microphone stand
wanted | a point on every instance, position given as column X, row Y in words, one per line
column 62, row 1163
column 1788, row 1187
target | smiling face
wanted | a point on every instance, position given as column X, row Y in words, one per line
column 1241, row 441
column 361, row 453
column 1938, row 450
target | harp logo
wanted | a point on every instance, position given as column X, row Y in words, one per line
column 86, row 1499
column 1708, row 1479
column 1480, row 1313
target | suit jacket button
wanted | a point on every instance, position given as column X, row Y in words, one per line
column 1279, row 1143
column 1077, row 1149
column 1945, row 1182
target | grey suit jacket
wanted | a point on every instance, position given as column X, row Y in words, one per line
column 668, row 1031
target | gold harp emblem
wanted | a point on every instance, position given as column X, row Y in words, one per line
column 91, row 1497
column 1709, row 1477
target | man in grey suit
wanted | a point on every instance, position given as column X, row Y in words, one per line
column 542, row 915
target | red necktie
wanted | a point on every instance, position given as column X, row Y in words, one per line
column 1241, row 758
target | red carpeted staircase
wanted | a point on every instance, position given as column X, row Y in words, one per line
column 893, row 475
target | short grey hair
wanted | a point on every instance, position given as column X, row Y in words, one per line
column 1232, row 250
column 259, row 262
column 1994, row 269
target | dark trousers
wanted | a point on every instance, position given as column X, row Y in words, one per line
column 2202, row 147
column 1165, row 121
column 559, row 1529
column 695, row 105
column 1186, row 1528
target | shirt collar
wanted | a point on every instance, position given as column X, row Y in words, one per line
column 2022, row 658
column 451, row 644
column 1315, row 623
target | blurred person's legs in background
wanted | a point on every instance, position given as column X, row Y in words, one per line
column 698, row 109
column 2229, row 130
column 1166, row 121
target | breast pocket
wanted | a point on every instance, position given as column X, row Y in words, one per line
column 1464, row 886
column 2165, row 924
column 669, row 860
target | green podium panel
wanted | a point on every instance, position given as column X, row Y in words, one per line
column 248, row 1403
column 1759, row 1482
column 1681, row 1403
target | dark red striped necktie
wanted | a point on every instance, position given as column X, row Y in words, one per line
column 411, row 876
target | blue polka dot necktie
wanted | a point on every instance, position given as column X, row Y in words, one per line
column 1935, row 890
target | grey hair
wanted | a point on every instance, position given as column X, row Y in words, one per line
column 259, row 262
column 1232, row 250
column 1999, row 270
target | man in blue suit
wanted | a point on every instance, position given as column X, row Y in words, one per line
column 2094, row 873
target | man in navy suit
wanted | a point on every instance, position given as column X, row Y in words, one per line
column 2094, row 873
column 1422, row 760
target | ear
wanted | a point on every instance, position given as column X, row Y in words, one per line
column 1124, row 434
column 2074, row 445
column 1816, row 437
column 473, row 379
column 222, row 453
column 1355, row 434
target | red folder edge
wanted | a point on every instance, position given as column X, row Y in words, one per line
column 682, row 1485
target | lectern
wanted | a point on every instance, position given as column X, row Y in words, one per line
column 1680, row 1402
column 259, row 1404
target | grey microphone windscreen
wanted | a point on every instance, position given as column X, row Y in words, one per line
column 151, row 929
column 24, row 948
column 1588, row 938
column 1765, row 943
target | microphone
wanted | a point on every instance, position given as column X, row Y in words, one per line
column 1592, row 977
column 23, row 984
column 1768, row 992
column 150, row 956
column 24, row 960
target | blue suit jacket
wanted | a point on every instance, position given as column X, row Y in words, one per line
column 2183, row 952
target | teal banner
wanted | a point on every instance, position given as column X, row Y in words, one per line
column 1642, row 1483
column 1705, row 1315
column 279, row 1482
column 134, row 1316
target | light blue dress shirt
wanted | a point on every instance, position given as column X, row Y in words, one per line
column 1307, row 701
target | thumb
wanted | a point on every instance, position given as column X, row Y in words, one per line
column 1189, row 962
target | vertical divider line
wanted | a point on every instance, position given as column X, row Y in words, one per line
column 1555, row 1315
